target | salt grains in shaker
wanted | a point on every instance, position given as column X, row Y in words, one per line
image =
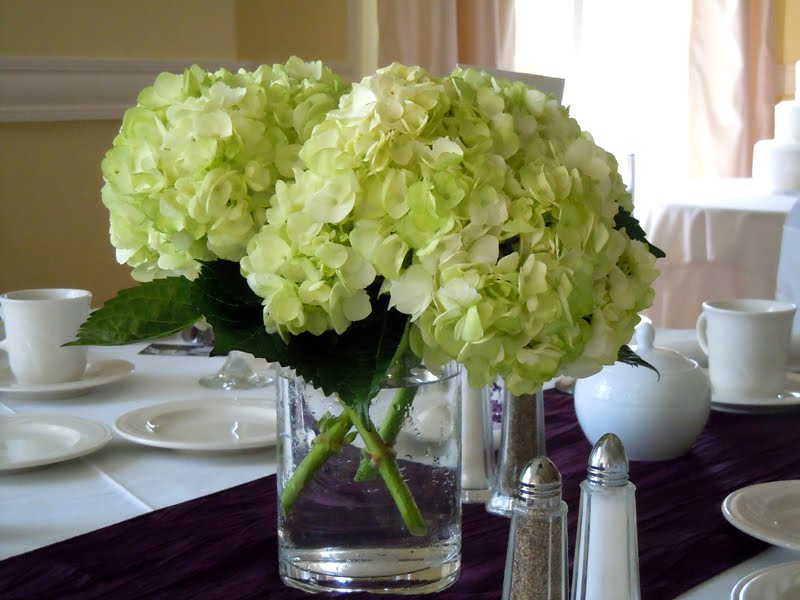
column 606, row 565
column 536, row 561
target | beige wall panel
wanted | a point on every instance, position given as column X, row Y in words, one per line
column 789, row 37
column 119, row 28
column 778, row 16
column 53, row 226
column 274, row 30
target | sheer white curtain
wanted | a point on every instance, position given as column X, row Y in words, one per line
column 732, row 84
column 682, row 84
column 439, row 34
column 626, row 77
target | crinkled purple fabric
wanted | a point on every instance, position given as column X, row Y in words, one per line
column 224, row 546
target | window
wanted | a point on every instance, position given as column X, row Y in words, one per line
column 625, row 65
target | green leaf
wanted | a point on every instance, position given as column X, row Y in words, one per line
column 625, row 220
column 154, row 309
column 234, row 312
column 629, row 357
column 354, row 364
column 351, row 365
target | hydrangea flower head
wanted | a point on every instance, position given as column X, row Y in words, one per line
column 190, row 175
column 479, row 206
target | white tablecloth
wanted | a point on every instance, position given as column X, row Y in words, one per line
column 722, row 240
column 49, row 504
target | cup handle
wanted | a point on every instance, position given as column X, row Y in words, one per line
column 3, row 340
column 700, row 329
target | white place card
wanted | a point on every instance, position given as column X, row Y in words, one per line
column 543, row 83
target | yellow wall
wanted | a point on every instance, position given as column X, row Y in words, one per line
column 119, row 28
column 310, row 29
column 787, row 17
column 53, row 228
column 787, row 42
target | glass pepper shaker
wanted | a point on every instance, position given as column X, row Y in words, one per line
column 536, row 561
column 606, row 565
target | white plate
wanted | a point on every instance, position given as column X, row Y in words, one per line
column 789, row 399
column 209, row 425
column 755, row 409
column 98, row 372
column 778, row 582
column 736, row 593
column 34, row 440
column 767, row 511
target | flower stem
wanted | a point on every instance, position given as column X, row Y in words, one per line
column 383, row 457
column 390, row 427
column 325, row 445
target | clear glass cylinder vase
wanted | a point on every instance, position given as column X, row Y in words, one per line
column 522, row 438
column 345, row 531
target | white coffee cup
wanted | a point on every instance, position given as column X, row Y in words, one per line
column 38, row 323
column 747, row 344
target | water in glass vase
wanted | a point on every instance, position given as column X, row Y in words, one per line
column 344, row 530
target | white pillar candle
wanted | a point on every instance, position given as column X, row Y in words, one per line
column 473, row 469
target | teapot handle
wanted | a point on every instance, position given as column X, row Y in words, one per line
column 701, row 329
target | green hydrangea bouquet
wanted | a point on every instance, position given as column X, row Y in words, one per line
column 337, row 229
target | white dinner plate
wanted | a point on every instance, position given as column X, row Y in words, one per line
column 777, row 582
column 98, row 372
column 767, row 511
column 34, row 440
column 209, row 425
column 787, row 400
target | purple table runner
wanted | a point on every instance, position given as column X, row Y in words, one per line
column 225, row 546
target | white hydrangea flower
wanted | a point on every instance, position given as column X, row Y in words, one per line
column 190, row 174
column 479, row 206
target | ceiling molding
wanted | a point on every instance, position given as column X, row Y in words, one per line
column 82, row 89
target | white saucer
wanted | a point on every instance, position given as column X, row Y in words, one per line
column 210, row 425
column 777, row 582
column 787, row 400
column 767, row 511
column 736, row 592
column 35, row 440
column 98, row 372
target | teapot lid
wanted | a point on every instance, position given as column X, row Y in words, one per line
column 663, row 359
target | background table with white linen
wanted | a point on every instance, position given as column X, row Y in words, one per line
column 722, row 239
column 45, row 505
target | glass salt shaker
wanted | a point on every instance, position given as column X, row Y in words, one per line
column 536, row 561
column 606, row 565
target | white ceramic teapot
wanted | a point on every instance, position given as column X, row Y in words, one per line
column 657, row 418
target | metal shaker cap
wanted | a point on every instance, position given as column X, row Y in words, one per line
column 539, row 479
column 608, row 463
